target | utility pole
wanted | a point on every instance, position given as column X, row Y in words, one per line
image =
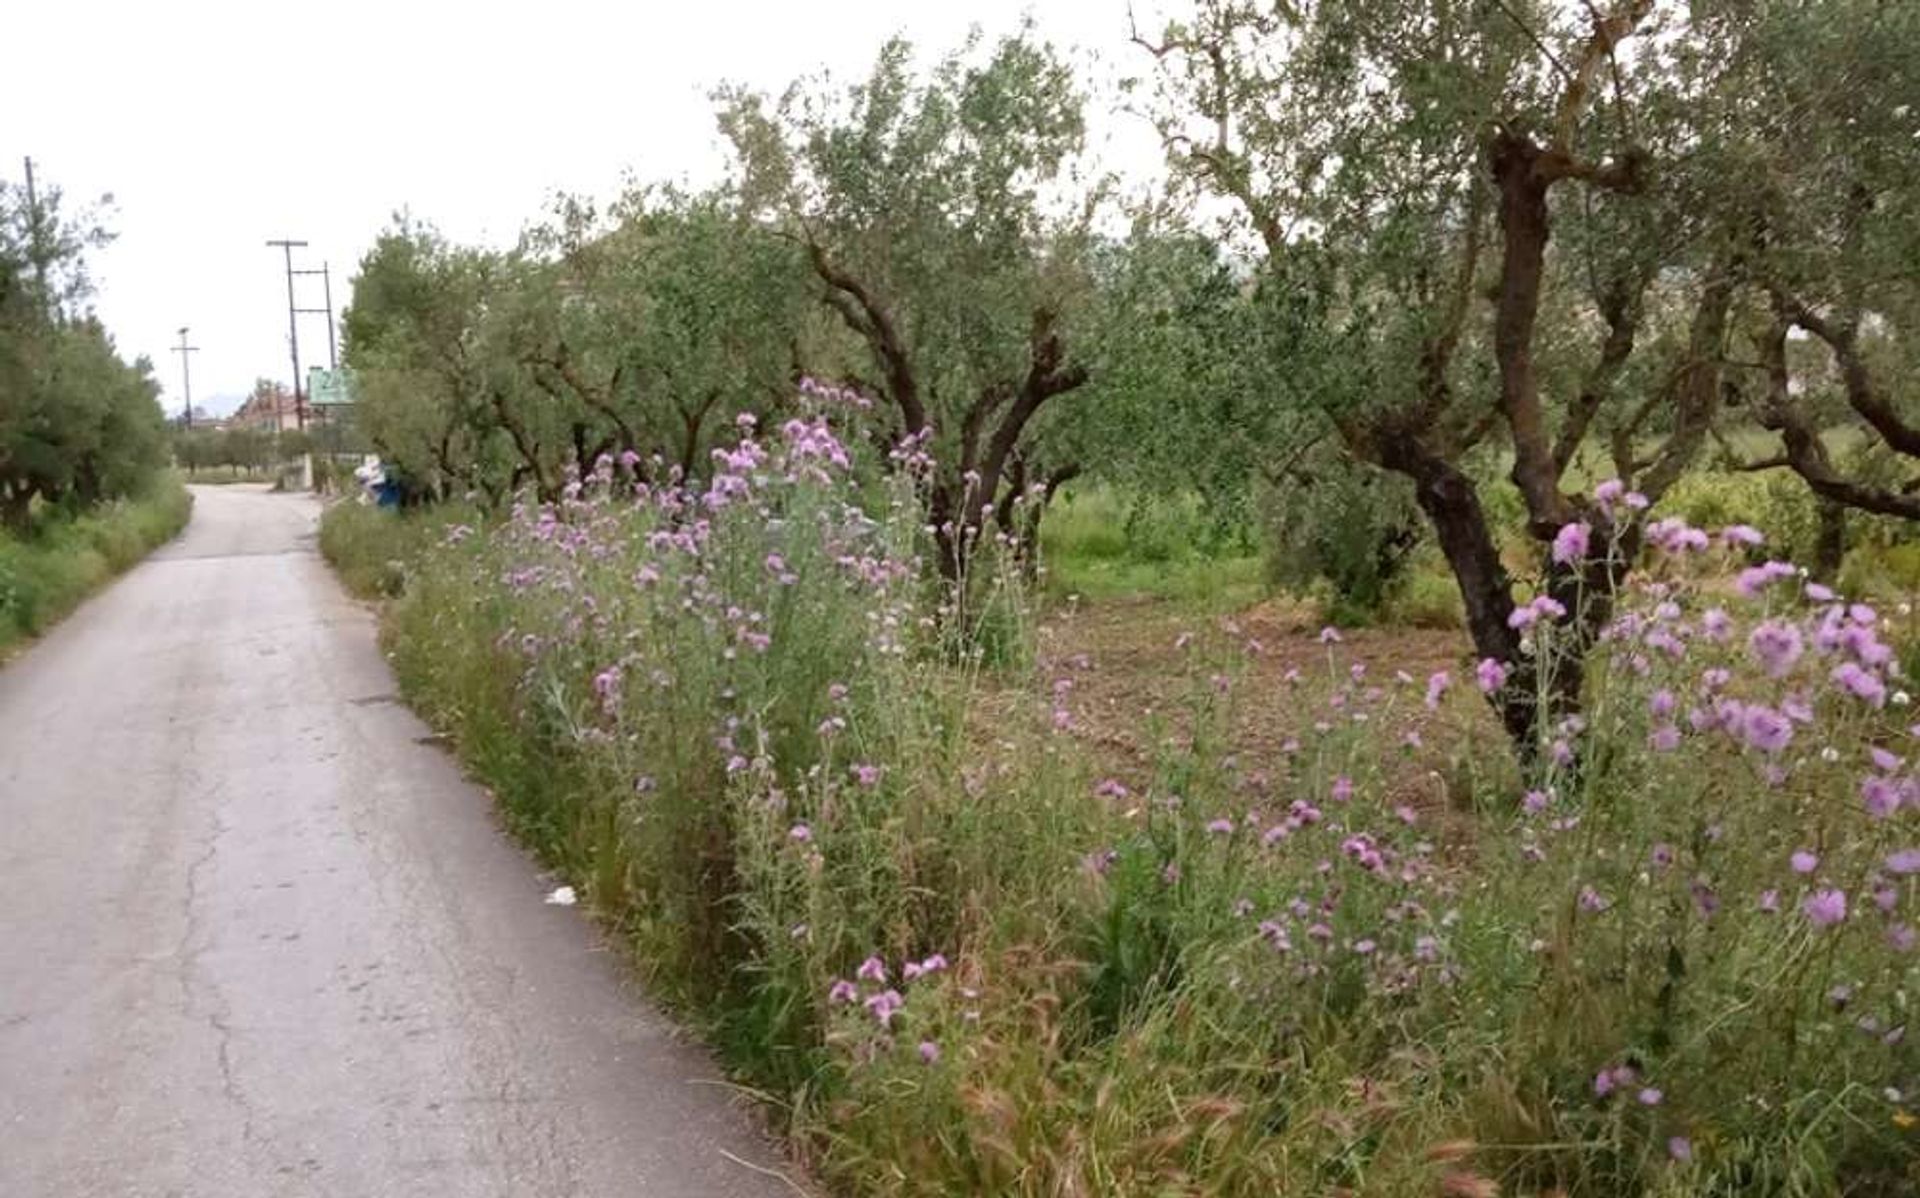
column 186, row 377
column 293, row 332
column 326, row 283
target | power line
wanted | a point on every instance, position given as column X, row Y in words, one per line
column 326, row 284
column 186, row 377
column 293, row 332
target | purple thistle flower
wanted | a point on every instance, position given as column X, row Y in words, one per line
column 1491, row 675
column 1803, row 862
column 884, row 1005
column 1825, row 907
column 1570, row 543
column 929, row 1052
column 1881, row 796
column 843, row 992
column 1776, row 645
column 1861, row 683
column 1906, row 861
column 873, row 969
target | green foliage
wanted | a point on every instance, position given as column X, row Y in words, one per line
column 248, row 450
column 370, row 548
column 1334, row 521
column 1777, row 502
column 1102, row 542
column 1883, row 572
column 78, row 426
column 640, row 333
column 934, row 213
column 1266, row 974
column 46, row 574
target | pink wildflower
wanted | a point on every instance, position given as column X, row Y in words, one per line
column 1881, row 796
column 1824, row 908
column 1491, row 675
column 1776, row 645
column 1571, row 542
column 1906, row 861
column 1766, row 729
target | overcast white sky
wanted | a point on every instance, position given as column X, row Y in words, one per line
column 219, row 125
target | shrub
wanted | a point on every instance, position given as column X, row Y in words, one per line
column 373, row 549
column 1343, row 525
column 46, row 575
column 901, row 894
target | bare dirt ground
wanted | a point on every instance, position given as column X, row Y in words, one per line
column 1132, row 675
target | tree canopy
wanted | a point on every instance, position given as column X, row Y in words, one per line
column 78, row 425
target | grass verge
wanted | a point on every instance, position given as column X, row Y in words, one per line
column 903, row 899
column 46, row 574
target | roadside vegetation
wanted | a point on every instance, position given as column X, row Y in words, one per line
column 45, row 574
column 84, row 487
column 1404, row 692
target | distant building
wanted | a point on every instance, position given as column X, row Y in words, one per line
column 270, row 409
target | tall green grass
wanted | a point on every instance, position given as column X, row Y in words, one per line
column 1101, row 543
column 906, row 902
column 46, row 574
column 373, row 548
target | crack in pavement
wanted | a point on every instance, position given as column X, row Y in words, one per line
column 187, row 953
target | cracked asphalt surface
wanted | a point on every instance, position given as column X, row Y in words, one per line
column 259, row 937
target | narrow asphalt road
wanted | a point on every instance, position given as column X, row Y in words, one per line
column 258, row 937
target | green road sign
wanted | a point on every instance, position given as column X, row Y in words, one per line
column 329, row 388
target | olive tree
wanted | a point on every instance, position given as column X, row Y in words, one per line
column 1501, row 247
column 78, row 425
column 939, row 219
